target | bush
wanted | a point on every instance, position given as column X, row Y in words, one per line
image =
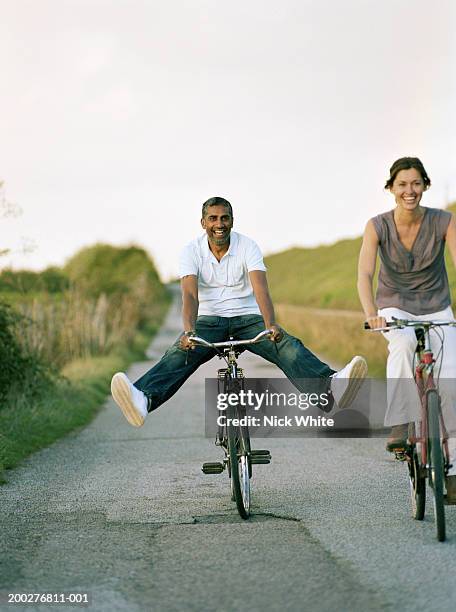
column 106, row 269
column 20, row 371
column 52, row 280
column 75, row 326
column 110, row 293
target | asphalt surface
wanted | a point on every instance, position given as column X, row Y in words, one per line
column 127, row 516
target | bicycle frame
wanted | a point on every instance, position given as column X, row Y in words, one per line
column 234, row 438
column 226, row 375
column 427, row 453
column 424, row 379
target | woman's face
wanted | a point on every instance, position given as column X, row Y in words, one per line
column 407, row 188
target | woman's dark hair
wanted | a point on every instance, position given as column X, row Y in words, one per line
column 407, row 163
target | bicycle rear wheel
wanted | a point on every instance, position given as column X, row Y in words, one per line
column 436, row 461
column 239, row 464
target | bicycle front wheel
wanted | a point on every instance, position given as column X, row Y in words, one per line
column 436, row 471
column 417, row 486
column 239, row 465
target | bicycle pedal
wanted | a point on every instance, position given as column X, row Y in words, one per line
column 260, row 459
column 259, row 452
column 213, row 467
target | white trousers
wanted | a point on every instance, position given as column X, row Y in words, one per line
column 403, row 403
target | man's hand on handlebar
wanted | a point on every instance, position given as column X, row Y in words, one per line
column 185, row 341
column 277, row 333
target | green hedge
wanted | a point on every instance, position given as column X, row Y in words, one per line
column 103, row 268
column 52, row 280
column 21, row 371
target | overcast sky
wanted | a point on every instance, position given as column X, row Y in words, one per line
column 120, row 117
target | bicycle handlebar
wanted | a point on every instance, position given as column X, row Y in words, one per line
column 203, row 342
column 389, row 324
column 401, row 323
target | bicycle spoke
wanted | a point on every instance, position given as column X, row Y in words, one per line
column 417, row 486
column 238, row 459
column 436, row 462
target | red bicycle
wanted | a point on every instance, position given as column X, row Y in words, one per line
column 426, row 451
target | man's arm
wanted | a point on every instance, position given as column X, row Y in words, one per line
column 189, row 288
column 263, row 299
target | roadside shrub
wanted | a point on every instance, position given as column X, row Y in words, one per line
column 104, row 268
column 20, row 371
column 75, row 326
column 110, row 293
column 51, row 280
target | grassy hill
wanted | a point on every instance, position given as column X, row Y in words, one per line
column 323, row 277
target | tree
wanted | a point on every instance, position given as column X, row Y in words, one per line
column 12, row 210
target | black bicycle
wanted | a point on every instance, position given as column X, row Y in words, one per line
column 232, row 429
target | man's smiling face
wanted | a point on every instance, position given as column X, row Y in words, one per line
column 218, row 223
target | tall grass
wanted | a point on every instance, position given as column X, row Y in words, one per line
column 94, row 304
column 84, row 340
column 62, row 335
column 30, row 422
column 20, row 369
column 335, row 335
column 74, row 326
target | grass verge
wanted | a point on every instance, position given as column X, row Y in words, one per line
column 335, row 334
column 28, row 424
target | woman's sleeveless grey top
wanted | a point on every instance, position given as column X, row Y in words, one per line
column 415, row 281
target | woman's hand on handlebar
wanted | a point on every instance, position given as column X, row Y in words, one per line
column 376, row 321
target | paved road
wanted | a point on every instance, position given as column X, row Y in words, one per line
column 127, row 515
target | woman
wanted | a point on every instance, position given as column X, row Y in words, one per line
column 412, row 284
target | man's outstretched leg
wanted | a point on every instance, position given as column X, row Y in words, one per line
column 133, row 402
column 300, row 365
column 346, row 383
column 159, row 383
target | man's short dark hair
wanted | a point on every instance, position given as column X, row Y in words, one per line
column 216, row 201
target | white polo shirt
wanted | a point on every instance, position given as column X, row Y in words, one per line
column 224, row 287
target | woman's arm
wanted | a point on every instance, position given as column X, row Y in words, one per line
column 450, row 238
column 366, row 270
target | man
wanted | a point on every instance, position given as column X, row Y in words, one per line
column 225, row 293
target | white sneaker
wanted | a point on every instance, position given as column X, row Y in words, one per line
column 130, row 400
column 349, row 380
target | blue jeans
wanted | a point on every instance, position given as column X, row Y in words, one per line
column 300, row 366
